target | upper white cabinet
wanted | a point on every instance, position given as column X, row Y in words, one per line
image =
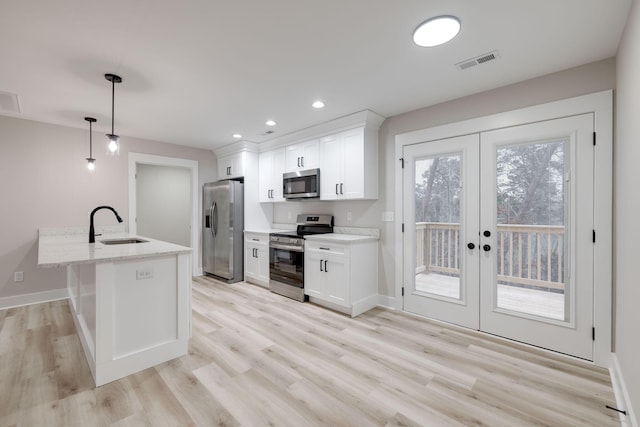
column 305, row 155
column 271, row 168
column 349, row 165
column 231, row 166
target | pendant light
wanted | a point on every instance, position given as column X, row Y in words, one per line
column 91, row 162
column 114, row 146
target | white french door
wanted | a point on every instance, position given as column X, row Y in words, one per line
column 497, row 224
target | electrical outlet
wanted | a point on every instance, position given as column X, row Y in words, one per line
column 18, row 276
column 349, row 216
column 387, row 216
column 144, row 274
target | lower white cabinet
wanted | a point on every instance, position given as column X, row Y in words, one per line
column 256, row 258
column 343, row 274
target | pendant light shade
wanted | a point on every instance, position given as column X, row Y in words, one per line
column 114, row 146
column 91, row 162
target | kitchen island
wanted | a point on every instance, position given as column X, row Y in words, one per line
column 131, row 302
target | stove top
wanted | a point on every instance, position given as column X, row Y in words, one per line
column 309, row 224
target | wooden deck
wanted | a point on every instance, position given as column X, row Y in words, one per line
column 524, row 300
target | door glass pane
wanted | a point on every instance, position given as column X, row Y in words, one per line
column 531, row 222
column 437, row 207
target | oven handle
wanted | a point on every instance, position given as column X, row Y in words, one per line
column 286, row 247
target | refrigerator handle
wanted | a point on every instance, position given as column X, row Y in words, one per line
column 214, row 220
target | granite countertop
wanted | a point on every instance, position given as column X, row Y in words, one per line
column 61, row 247
column 341, row 238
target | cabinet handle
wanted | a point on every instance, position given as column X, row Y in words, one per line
column 340, row 188
column 320, row 265
column 298, row 161
column 325, row 249
column 486, row 248
column 256, row 240
column 302, row 161
column 228, row 170
column 325, row 266
column 336, row 189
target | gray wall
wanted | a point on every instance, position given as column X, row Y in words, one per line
column 163, row 196
column 45, row 183
column 627, row 206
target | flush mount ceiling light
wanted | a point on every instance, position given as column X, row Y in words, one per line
column 318, row 104
column 436, row 31
column 270, row 123
column 91, row 162
column 114, row 146
column 237, row 135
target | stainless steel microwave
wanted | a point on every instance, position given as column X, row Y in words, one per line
column 301, row 184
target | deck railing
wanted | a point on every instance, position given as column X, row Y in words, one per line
column 528, row 255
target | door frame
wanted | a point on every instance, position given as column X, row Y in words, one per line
column 192, row 165
column 601, row 105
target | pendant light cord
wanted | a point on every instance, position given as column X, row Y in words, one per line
column 90, row 141
column 113, row 101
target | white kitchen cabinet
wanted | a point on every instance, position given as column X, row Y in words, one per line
column 256, row 258
column 305, row 155
column 271, row 165
column 349, row 165
column 341, row 272
column 231, row 166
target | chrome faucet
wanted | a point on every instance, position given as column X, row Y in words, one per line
column 92, row 233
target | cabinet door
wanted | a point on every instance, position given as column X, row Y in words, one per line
column 337, row 281
column 313, row 276
column 263, row 264
column 353, row 155
column 310, row 155
column 294, row 156
column 265, row 165
column 224, row 167
column 278, row 159
column 332, row 160
column 250, row 262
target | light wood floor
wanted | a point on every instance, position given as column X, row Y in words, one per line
column 258, row 359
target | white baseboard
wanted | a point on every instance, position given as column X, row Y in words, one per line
column 623, row 401
column 33, row 298
column 198, row 272
column 387, row 302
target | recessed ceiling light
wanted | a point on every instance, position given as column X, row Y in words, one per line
column 270, row 123
column 436, row 31
column 318, row 104
column 237, row 135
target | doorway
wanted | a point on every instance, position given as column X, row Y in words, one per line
column 500, row 226
column 167, row 169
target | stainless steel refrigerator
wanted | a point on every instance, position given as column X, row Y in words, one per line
column 222, row 252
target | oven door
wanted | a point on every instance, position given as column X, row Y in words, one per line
column 286, row 264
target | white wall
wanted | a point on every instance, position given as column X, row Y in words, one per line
column 45, row 183
column 627, row 207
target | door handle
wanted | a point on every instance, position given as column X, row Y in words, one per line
column 214, row 220
column 325, row 266
column 321, row 265
column 486, row 248
column 471, row 246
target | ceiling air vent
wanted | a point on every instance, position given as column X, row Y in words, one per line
column 478, row 60
column 9, row 102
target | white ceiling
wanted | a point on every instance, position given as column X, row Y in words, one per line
column 196, row 71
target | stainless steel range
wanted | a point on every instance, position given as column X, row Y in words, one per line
column 286, row 255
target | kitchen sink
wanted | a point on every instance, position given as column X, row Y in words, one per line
column 125, row 241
